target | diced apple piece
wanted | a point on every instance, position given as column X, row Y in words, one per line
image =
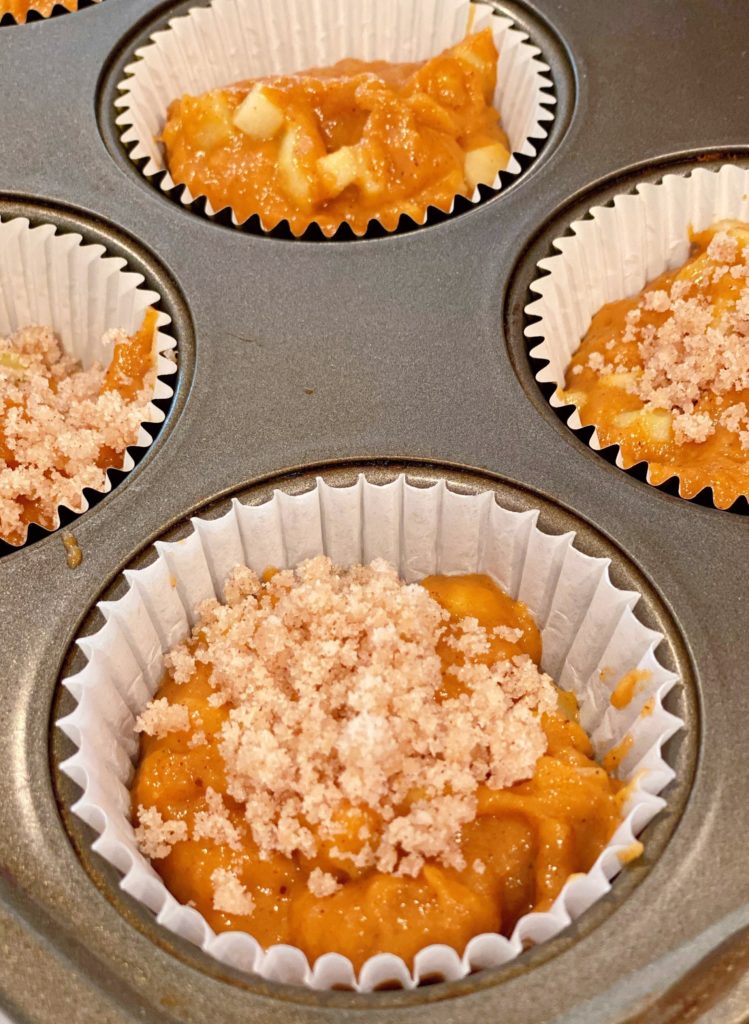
column 578, row 398
column 211, row 120
column 657, row 424
column 258, row 116
column 465, row 52
column 482, row 165
column 338, row 170
column 625, row 419
column 13, row 361
column 370, row 183
column 625, row 381
column 295, row 182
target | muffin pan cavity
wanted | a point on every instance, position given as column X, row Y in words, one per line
column 60, row 269
column 547, row 556
column 164, row 60
column 656, row 208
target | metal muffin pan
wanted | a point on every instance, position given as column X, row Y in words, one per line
column 393, row 353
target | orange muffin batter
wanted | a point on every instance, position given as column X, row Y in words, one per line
column 20, row 9
column 665, row 374
column 59, row 428
column 345, row 144
column 512, row 857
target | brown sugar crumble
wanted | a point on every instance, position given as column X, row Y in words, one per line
column 160, row 717
column 229, row 895
column 197, row 739
column 56, row 420
column 156, row 837
column 332, row 678
column 215, row 823
column 322, row 883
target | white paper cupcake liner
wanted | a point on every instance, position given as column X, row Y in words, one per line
column 588, row 625
column 613, row 253
column 231, row 40
column 52, row 279
column 59, row 8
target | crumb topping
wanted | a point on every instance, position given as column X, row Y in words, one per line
column 331, row 678
column 699, row 347
column 73, row 553
column 733, row 417
column 160, row 717
column 55, row 420
column 181, row 665
column 156, row 837
column 229, row 895
column 322, row 883
column 508, row 633
column 215, row 823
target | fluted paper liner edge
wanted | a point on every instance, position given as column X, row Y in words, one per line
column 587, row 624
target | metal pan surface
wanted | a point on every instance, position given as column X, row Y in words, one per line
column 389, row 354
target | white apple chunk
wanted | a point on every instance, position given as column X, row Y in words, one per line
column 577, row 398
column 338, row 170
column 482, row 165
column 14, row 362
column 625, row 381
column 370, row 182
column 475, row 53
column 258, row 116
column 212, row 126
column 295, row 182
column 626, row 419
column 655, row 423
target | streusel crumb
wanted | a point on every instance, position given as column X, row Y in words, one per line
column 331, row 677
column 56, row 420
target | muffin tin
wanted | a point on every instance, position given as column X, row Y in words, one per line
column 404, row 353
